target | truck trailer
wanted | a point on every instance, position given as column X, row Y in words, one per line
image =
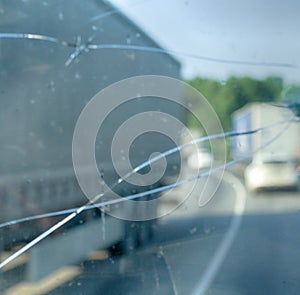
column 47, row 77
column 274, row 129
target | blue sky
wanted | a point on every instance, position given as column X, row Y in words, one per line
column 255, row 31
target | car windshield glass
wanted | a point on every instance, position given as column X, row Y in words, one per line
column 149, row 147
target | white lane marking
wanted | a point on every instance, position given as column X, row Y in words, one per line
column 220, row 254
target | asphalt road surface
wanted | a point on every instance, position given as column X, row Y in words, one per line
column 238, row 243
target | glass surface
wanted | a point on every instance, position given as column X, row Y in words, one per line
column 140, row 147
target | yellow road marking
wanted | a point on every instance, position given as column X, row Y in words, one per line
column 18, row 261
column 98, row 255
column 47, row 284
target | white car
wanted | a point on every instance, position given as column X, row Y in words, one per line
column 270, row 173
column 202, row 159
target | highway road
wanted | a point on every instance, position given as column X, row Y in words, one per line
column 238, row 243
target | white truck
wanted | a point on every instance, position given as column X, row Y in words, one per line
column 280, row 137
column 272, row 148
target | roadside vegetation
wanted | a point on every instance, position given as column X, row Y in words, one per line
column 228, row 96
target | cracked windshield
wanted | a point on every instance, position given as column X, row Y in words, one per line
column 149, row 147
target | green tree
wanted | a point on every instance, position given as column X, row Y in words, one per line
column 227, row 97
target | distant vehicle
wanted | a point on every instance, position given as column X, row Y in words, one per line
column 298, row 178
column 274, row 172
column 202, row 159
column 266, row 142
column 297, row 168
